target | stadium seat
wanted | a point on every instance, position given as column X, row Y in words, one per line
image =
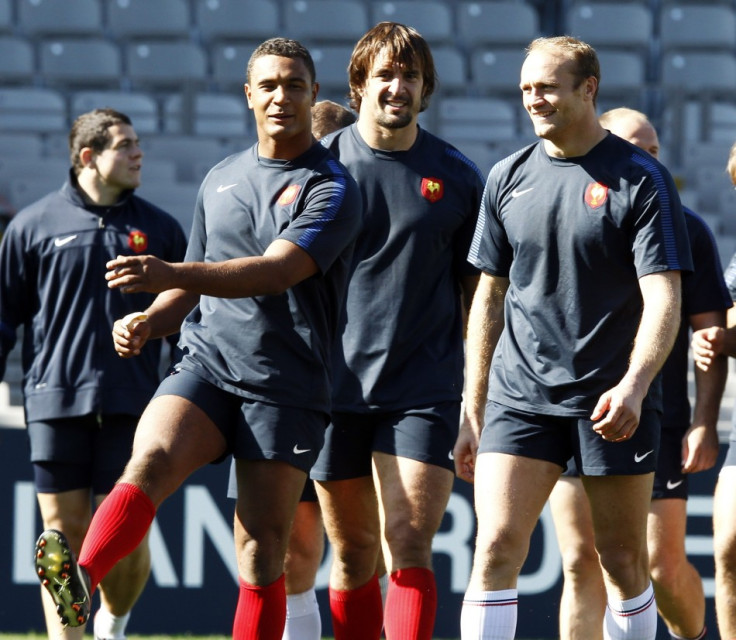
column 431, row 18
column 176, row 198
column 16, row 59
column 689, row 72
column 477, row 119
column 60, row 17
column 697, row 25
column 205, row 114
column 325, row 20
column 136, row 19
column 497, row 23
column 496, row 71
column 237, row 20
column 163, row 63
column 6, row 16
column 32, row 109
column 452, row 69
column 331, row 65
column 18, row 144
column 80, row 61
column 612, row 24
column 140, row 107
column 623, row 80
column 188, row 151
column 228, row 61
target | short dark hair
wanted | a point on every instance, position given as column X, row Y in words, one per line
column 402, row 44
column 581, row 53
column 285, row 48
column 91, row 130
column 329, row 116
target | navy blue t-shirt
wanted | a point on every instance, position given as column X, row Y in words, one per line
column 402, row 325
column 573, row 236
column 703, row 290
column 273, row 348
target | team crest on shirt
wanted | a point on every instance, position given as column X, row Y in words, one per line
column 138, row 241
column 596, row 194
column 288, row 195
column 433, row 189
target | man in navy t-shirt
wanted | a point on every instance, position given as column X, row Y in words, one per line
column 266, row 267
column 581, row 240
column 686, row 446
column 399, row 365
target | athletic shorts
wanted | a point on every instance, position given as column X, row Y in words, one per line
column 669, row 480
column 558, row 438
column 308, row 495
column 84, row 452
column 253, row 430
column 426, row 434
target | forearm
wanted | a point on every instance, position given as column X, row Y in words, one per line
column 657, row 330
column 485, row 324
column 168, row 311
column 709, row 386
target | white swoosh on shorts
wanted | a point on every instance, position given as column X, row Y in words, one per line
column 639, row 458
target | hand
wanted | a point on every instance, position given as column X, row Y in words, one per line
column 707, row 344
column 466, row 449
column 617, row 413
column 699, row 449
column 132, row 274
column 129, row 341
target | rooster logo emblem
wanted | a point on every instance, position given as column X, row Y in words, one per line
column 138, row 241
column 433, row 189
column 596, row 194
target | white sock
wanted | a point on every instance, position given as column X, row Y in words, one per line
column 108, row 626
column 383, row 583
column 302, row 617
column 489, row 615
column 634, row 619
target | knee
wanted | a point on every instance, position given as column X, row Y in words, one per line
column 409, row 546
column 580, row 564
column 624, row 564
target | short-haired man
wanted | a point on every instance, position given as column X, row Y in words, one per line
column 82, row 402
column 687, row 446
column 266, row 267
column 581, row 240
column 399, row 366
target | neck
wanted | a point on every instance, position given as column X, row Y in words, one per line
column 576, row 145
column 284, row 149
column 94, row 192
column 385, row 139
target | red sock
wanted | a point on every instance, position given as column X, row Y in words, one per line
column 117, row 528
column 357, row 614
column 411, row 604
column 261, row 611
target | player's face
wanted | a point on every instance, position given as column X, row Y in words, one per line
column 281, row 93
column 118, row 167
column 642, row 134
column 392, row 95
column 550, row 95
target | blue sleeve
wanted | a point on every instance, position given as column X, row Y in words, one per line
column 14, row 291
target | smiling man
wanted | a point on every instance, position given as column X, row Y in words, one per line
column 263, row 282
column 581, row 240
column 399, row 363
column 82, row 402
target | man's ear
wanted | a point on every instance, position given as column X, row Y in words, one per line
column 87, row 157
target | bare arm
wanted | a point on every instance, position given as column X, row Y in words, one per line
column 282, row 265
column 710, row 342
column 618, row 410
column 468, row 285
column 700, row 444
column 163, row 318
column 485, row 324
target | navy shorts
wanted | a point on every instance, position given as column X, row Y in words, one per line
column 669, row 480
column 84, row 452
column 556, row 439
column 253, row 430
column 426, row 434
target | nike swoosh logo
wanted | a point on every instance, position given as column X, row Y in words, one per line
column 516, row 193
column 60, row 242
column 225, row 187
column 298, row 451
column 639, row 458
column 451, row 456
column 673, row 485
